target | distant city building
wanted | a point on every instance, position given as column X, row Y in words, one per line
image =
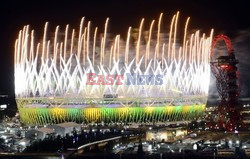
column 65, row 128
column 166, row 134
column 39, row 133
column 24, row 142
column 4, row 102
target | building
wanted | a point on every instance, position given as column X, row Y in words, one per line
column 166, row 134
column 50, row 89
column 39, row 133
column 24, row 142
column 4, row 102
column 65, row 128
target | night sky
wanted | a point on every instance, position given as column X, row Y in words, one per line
column 231, row 18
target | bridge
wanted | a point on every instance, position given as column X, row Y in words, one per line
column 98, row 142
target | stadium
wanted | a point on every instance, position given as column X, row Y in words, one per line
column 51, row 74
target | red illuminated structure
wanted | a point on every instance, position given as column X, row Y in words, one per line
column 225, row 71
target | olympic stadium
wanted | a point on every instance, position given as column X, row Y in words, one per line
column 51, row 82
